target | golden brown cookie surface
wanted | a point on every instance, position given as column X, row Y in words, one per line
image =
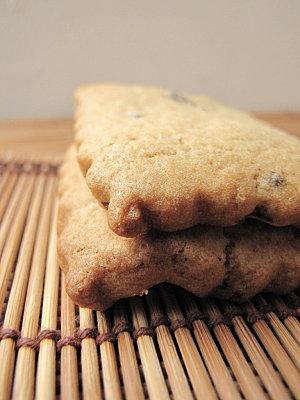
column 102, row 267
column 170, row 161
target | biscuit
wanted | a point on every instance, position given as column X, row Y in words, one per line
column 169, row 161
column 102, row 267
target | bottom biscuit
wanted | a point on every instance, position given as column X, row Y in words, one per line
column 101, row 267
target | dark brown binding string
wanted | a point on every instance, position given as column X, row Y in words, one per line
column 157, row 318
column 178, row 323
column 231, row 310
column 122, row 326
column 8, row 333
column 10, row 166
column 280, row 308
column 85, row 333
column 34, row 343
column 121, row 323
column 92, row 333
column 192, row 312
column 263, row 305
column 213, row 315
column 29, row 167
column 28, row 342
column 68, row 341
column 194, row 315
column 48, row 334
column 252, row 314
column 50, row 169
column 143, row 331
column 105, row 337
column 168, row 296
column 217, row 320
column 284, row 314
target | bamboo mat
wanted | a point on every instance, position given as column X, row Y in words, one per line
column 165, row 345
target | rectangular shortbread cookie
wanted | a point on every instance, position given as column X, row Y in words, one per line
column 169, row 161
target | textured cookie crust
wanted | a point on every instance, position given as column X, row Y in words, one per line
column 170, row 161
column 102, row 267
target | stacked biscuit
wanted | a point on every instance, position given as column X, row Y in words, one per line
column 168, row 187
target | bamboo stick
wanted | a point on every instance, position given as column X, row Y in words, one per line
column 23, row 387
column 289, row 321
column 293, row 326
column 12, row 209
column 129, row 366
column 68, row 358
column 197, row 372
column 4, row 177
column 7, row 184
column 89, row 358
column 5, row 172
column 16, row 217
column 177, row 379
column 284, row 336
column 18, row 290
column 260, row 361
column 218, row 371
column 152, row 370
column 284, row 364
column 241, row 369
column 46, row 371
column 111, row 381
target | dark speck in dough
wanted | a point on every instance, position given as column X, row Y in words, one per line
column 273, row 179
column 180, row 98
column 136, row 115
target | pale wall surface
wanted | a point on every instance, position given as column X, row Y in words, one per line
column 244, row 52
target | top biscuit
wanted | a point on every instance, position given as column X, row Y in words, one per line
column 168, row 160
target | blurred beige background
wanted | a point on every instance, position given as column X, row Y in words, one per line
column 246, row 53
